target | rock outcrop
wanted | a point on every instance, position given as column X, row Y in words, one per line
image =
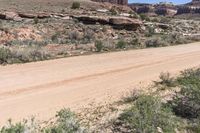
column 120, row 2
column 116, row 22
column 15, row 16
column 125, row 23
column 92, row 19
column 34, row 15
column 10, row 16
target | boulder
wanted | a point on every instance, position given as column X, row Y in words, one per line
column 10, row 16
column 33, row 15
column 120, row 2
column 102, row 10
column 163, row 26
column 92, row 19
column 2, row 16
column 116, row 22
column 125, row 23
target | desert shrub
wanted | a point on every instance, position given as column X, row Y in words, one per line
column 22, row 54
column 36, row 20
column 13, row 128
column 155, row 42
column 62, row 10
column 131, row 12
column 169, row 38
column 104, row 29
column 98, row 46
column 88, row 34
column 193, row 127
column 167, row 80
column 74, row 36
column 132, row 96
column 28, row 54
column 186, row 102
column 108, row 44
column 149, row 115
column 175, row 39
column 194, row 38
column 55, row 37
column 113, row 11
column 5, row 54
column 133, row 15
column 155, row 20
column 144, row 17
column 75, row 5
column 165, row 20
column 29, row 42
column 181, row 40
column 121, row 44
column 66, row 123
column 150, row 31
column 135, row 42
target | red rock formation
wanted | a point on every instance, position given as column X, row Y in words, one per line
column 160, row 9
column 192, row 7
column 165, row 9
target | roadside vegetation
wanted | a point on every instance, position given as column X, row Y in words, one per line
column 30, row 51
column 154, row 113
column 144, row 112
column 63, row 34
column 65, row 122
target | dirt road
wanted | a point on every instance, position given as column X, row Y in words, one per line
column 39, row 89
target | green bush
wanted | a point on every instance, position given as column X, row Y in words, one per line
column 74, row 36
column 150, row 31
column 98, row 46
column 155, row 42
column 135, row 42
column 186, row 102
column 23, row 54
column 88, row 34
column 28, row 54
column 5, row 54
column 75, row 5
column 113, row 11
column 193, row 127
column 144, row 17
column 13, row 128
column 36, row 20
column 165, row 20
column 166, row 80
column 148, row 115
column 66, row 123
column 121, row 44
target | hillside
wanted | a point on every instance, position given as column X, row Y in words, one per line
column 42, row 5
column 194, row 3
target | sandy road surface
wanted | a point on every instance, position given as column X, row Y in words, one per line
column 41, row 88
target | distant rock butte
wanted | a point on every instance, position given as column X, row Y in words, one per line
column 167, row 9
column 189, row 8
